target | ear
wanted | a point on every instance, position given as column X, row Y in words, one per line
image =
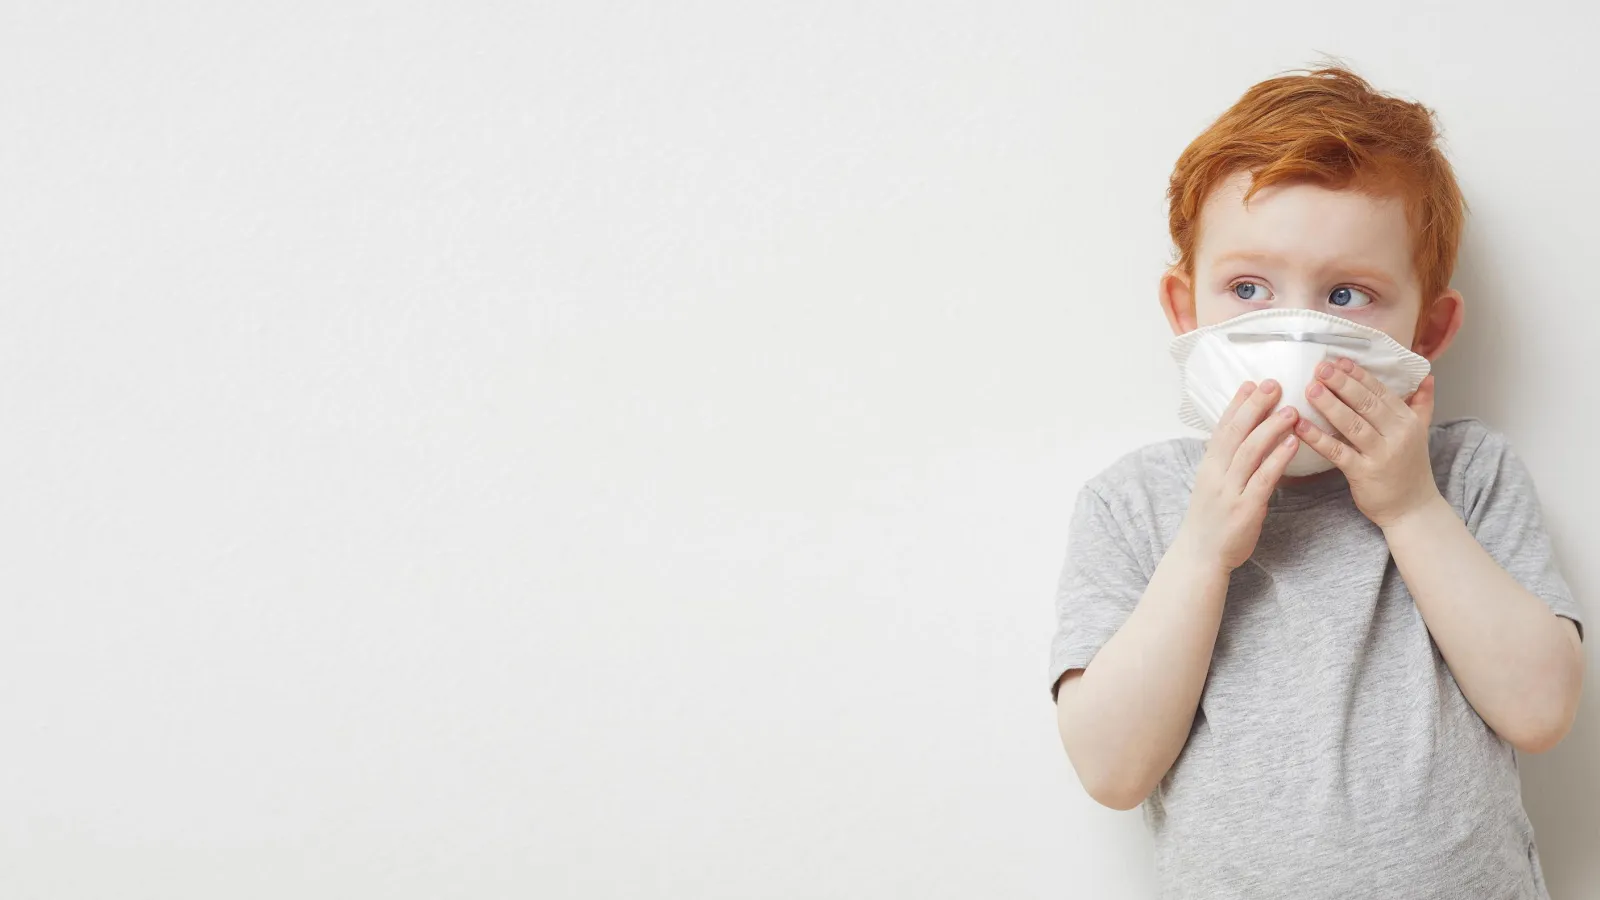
column 1177, row 300
column 1438, row 325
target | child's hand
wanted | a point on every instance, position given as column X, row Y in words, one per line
column 1386, row 459
column 1244, row 459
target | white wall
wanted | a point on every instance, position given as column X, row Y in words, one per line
column 614, row 451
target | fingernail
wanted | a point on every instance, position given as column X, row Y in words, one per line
column 1247, row 387
column 1347, row 364
column 1304, row 425
column 1269, row 385
column 1324, row 370
column 1287, row 412
column 1316, row 389
column 1288, row 440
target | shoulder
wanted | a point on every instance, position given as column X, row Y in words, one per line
column 1132, row 507
column 1455, row 438
column 1466, row 445
column 1149, row 478
column 1469, row 456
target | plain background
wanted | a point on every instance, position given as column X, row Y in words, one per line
column 596, row 450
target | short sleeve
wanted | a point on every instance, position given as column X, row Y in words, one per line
column 1502, row 511
column 1101, row 582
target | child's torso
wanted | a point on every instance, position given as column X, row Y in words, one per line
column 1332, row 751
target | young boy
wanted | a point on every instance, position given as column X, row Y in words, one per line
column 1317, row 686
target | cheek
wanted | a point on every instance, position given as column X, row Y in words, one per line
column 1399, row 323
column 1402, row 336
column 1209, row 309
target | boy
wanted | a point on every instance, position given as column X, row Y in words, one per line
column 1317, row 686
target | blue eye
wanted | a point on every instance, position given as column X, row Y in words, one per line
column 1349, row 298
column 1249, row 290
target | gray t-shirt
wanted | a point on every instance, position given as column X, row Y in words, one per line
column 1332, row 755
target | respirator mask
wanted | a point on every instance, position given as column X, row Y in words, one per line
column 1286, row 345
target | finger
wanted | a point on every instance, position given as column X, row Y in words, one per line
column 1272, row 468
column 1367, row 398
column 1394, row 401
column 1421, row 402
column 1213, row 453
column 1267, row 435
column 1239, row 396
column 1327, row 446
column 1232, row 431
column 1358, row 431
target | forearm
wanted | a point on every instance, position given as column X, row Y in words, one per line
column 1126, row 719
column 1516, row 663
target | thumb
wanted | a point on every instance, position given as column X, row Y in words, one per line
column 1421, row 402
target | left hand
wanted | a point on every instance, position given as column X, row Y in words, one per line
column 1386, row 460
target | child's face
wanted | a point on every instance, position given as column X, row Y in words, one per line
column 1301, row 246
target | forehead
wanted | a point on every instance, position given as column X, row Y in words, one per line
column 1306, row 224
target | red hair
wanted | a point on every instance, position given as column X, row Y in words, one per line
column 1328, row 127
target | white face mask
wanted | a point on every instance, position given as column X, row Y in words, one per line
column 1286, row 345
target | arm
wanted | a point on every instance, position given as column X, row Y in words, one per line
column 1519, row 666
column 1124, row 718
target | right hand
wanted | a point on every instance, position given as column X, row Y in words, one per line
column 1244, row 459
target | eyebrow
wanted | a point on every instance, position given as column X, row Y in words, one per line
column 1357, row 272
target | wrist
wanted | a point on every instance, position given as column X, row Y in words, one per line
column 1429, row 509
column 1198, row 558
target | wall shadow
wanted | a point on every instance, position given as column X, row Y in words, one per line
column 1560, row 789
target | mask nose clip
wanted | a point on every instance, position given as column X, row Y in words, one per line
column 1309, row 337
